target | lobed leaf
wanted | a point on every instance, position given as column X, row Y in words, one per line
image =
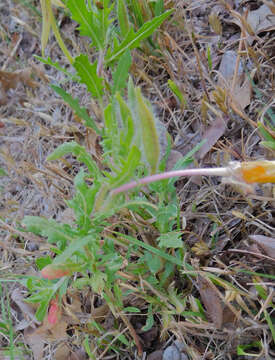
column 88, row 75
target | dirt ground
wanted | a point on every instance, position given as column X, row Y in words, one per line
column 34, row 121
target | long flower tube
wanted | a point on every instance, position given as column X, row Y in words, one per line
column 249, row 172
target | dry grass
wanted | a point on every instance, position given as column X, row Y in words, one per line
column 219, row 218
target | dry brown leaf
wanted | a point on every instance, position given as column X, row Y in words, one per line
column 211, row 136
column 35, row 341
column 242, row 86
column 27, row 310
column 62, row 352
column 45, row 333
column 10, row 80
column 266, row 243
column 261, row 19
column 257, row 21
column 211, row 301
column 173, row 158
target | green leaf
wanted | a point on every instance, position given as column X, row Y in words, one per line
column 83, row 201
column 159, row 7
column 132, row 40
column 270, row 324
column 268, row 137
column 56, row 65
column 80, row 153
column 153, row 262
column 241, row 349
column 42, row 309
column 150, row 319
column 174, row 87
column 149, row 132
column 128, row 131
column 74, row 104
column 74, row 246
column 84, row 17
column 131, row 309
column 98, row 281
column 43, row 261
column 268, row 144
column 122, row 72
column 123, row 19
column 49, row 228
column 170, row 240
column 128, row 169
column 174, row 260
column 88, row 75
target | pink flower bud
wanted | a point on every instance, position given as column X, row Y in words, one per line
column 53, row 311
column 52, row 271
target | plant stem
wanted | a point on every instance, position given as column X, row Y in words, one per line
column 170, row 174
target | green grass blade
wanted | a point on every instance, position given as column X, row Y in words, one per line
column 133, row 39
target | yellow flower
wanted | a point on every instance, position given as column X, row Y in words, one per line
column 258, row 171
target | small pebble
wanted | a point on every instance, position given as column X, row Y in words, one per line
column 171, row 353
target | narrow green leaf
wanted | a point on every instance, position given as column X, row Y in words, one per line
column 268, row 144
column 149, row 131
column 174, row 260
column 131, row 309
column 270, row 324
column 56, row 65
column 150, row 319
column 122, row 71
column 88, row 75
column 42, row 309
column 159, row 7
column 74, row 246
column 268, row 137
column 174, row 87
column 123, row 19
column 128, row 169
column 74, row 104
column 133, row 39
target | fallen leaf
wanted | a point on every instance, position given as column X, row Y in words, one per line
column 10, row 80
column 36, row 342
column 28, row 310
column 242, row 85
column 211, row 136
column 211, row 301
column 62, row 352
column 173, row 158
column 258, row 21
column 261, row 20
column 266, row 243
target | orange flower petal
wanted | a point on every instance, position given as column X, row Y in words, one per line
column 258, row 171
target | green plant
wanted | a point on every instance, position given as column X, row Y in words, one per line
column 110, row 258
